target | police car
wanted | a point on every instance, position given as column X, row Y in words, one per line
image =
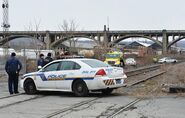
column 74, row 75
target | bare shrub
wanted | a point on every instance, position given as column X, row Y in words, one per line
column 145, row 60
column 30, row 65
column 99, row 52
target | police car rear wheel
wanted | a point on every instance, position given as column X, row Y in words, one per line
column 80, row 88
column 107, row 91
column 29, row 87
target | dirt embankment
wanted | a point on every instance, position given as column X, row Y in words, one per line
column 175, row 75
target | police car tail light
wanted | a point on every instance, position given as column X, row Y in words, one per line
column 101, row 72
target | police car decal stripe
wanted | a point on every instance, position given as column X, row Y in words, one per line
column 89, row 78
column 43, row 77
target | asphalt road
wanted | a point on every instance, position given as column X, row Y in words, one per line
column 66, row 105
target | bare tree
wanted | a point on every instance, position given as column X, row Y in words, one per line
column 35, row 27
column 34, row 42
column 69, row 27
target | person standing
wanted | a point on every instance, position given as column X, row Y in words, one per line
column 13, row 67
column 40, row 62
column 48, row 58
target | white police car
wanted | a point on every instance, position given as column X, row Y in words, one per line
column 74, row 75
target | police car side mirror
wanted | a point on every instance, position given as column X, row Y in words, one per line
column 39, row 67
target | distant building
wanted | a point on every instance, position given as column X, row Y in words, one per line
column 136, row 44
column 64, row 47
column 155, row 46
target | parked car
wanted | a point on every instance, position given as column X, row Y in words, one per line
column 130, row 61
column 79, row 76
column 167, row 60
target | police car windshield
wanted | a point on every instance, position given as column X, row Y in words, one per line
column 95, row 63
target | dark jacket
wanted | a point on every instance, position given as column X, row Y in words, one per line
column 13, row 65
column 47, row 60
column 40, row 62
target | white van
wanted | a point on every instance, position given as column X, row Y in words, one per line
column 4, row 51
column 31, row 53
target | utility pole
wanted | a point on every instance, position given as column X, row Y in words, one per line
column 107, row 23
column 5, row 23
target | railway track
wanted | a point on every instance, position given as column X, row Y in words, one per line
column 142, row 70
column 74, row 106
column 147, row 73
column 70, row 108
column 9, row 96
column 146, row 69
column 145, row 79
column 117, row 111
column 8, row 101
column 124, row 108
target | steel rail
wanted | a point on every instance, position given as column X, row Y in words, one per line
column 145, row 79
column 141, row 70
column 9, row 96
column 124, row 108
column 70, row 107
column 21, row 101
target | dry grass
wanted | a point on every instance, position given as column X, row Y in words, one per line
column 175, row 74
column 31, row 65
column 150, row 88
column 153, row 88
column 146, row 60
column 3, row 78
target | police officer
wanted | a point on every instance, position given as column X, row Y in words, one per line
column 48, row 58
column 40, row 62
column 13, row 67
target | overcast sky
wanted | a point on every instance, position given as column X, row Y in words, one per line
column 93, row 14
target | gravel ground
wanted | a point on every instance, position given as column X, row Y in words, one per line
column 153, row 88
column 175, row 74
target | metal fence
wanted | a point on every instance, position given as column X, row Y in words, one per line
column 25, row 64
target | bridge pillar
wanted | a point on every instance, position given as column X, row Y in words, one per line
column 48, row 40
column 105, row 39
column 99, row 38
column 165, row 42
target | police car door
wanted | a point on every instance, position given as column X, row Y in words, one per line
column 69, row 70
column 49, row 76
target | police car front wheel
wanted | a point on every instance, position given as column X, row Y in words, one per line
column 29, row 87
column 80, row 88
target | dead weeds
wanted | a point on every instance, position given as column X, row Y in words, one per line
column 175, row 74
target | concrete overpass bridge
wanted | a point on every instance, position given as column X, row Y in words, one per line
column 165, row 38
